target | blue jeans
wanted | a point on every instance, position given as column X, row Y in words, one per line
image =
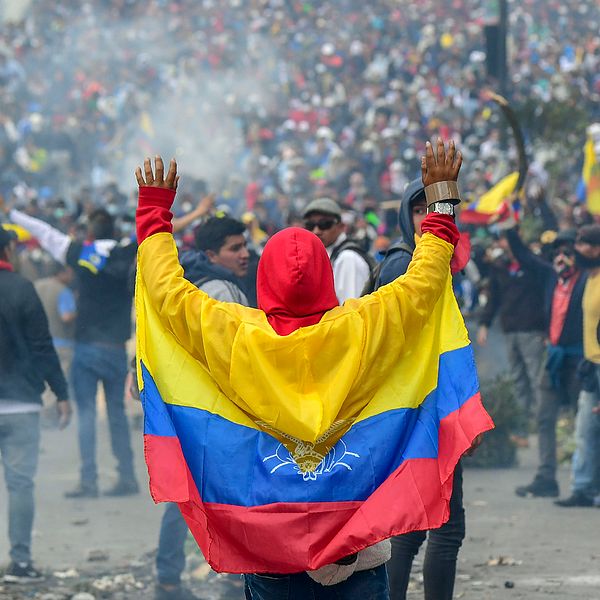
column 443, row 544
column 19, row 447
column 371, row 584
column 170, row 559
column 584, row 467
column 94, row 363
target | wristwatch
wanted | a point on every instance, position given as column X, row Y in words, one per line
column 443, row 208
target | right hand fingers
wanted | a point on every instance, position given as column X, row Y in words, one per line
column 172, row 178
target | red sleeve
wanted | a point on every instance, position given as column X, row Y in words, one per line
column 153, row 214
column 441, row 226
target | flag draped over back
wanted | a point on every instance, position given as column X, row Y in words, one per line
column 286, row 453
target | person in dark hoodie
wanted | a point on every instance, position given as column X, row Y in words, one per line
column 28, row 361
column 412, row 212
column 102, row 268
column 515, row 293
column 439, row 566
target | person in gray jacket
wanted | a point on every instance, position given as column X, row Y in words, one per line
column 220, row 259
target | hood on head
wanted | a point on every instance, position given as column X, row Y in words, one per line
column 295, row 280
column 405, row 221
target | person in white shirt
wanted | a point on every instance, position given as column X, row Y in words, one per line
column 351, row 270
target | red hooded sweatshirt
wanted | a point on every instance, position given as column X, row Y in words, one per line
column 295, row 280
column 294, row 283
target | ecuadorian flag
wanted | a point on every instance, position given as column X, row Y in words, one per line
column 590, row 178
column 287, row 453
column 492, row 202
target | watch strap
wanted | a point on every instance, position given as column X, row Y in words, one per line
column 442, row 208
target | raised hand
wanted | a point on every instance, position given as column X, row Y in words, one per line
column 206, row 204
column 157, row 178
column 440, row 165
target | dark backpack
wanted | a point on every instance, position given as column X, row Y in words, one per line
column 371, row 283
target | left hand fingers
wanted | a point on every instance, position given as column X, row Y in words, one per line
column 456, row 165
column 139, row 177
column 148, row 172
column 159, row 169
column 451, row 154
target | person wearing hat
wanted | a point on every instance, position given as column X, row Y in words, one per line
column 351, row 268
column 585, row 485
column 28, row 361
column 563, row 283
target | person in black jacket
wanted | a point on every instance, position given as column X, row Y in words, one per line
column 28, row 361
column 563, row 286
column 103, row 268
column 515, row 293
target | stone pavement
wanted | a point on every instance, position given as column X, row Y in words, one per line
column 515, row 548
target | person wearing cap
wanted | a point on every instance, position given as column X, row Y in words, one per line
column 28, row 361
column 351, row 269
column 563, row 284
column 585, row 485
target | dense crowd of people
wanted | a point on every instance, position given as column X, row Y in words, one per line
column 282, row 100
column 313, row 114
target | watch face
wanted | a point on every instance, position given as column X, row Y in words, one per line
column 444, row 208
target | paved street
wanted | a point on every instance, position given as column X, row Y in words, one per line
column 542, row 550
column 515, row 548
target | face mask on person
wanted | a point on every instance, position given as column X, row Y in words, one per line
column 564, row 262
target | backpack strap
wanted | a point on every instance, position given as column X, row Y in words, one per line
column 203, row 280
column 355, row 246
column 371, row 283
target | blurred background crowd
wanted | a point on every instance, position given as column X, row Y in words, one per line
column 270, row 103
